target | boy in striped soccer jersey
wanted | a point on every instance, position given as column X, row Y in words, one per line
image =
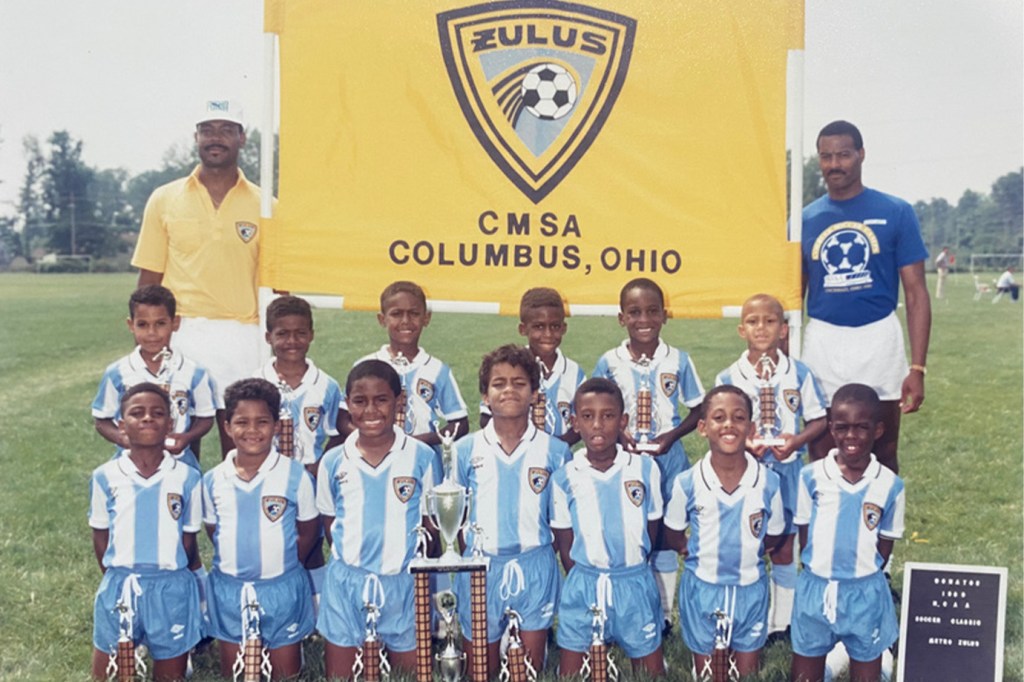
column 849, row 512
column 732, row 507
column 508, row 465
column 542, row 322
column 152, row 319
column 785, row 392
column 259, row 508
column 655, row 379
column 606, row 515
column 145, row 511
column 370, row 493
column 429, row 390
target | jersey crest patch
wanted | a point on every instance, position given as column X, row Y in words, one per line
column 246, row 230
column 757, row 523
column 872, row 515
column 565, row 412
column 538, row 479
column 792, row 399
column 536, row 80
column 669, row 384
column 404, row 486
column 636, row 492
column 174, row 505
column 274, row 506
column 179, row 399
column 311, row 416
column 425, row 390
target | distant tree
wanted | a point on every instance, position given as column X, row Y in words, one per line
column 31, row 206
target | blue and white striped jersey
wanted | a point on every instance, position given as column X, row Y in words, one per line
column 727, row 530
column 844, row 520
column 313, row 406
column 146, row 517
column 559, row 389
column 256, row 535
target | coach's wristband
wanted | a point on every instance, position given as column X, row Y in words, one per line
column 919, row 368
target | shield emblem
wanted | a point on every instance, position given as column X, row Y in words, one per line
column 274, row 506
column 538, row 479
column 636, row 492
column 246, row 231
column 536, row 81
column 311, row 417
column 174, row 505
column 179, row 399
column 565, row 412
column 872, row 515
column 669, row 383
column 792, row 399
column 756, row 522
column 404, row 487
column 425, row 390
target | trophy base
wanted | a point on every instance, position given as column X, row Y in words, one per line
column 769, row 442
column 443, row 565
column 646, row 447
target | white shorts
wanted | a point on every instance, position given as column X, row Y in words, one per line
column 228, row 349
column 872, row 354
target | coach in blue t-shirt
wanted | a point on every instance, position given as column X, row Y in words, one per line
column 858, row 246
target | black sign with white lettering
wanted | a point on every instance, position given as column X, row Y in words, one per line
column 952, row 623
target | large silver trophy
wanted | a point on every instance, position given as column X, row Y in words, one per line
column 645, row 427
column 448, row 508
column 767, row 431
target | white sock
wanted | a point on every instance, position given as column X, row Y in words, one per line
column 667, row 583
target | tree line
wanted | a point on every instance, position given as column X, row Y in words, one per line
column 67, row 207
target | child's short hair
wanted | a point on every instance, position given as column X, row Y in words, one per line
column 252, row 389
column 403, row 287
column 146, row 387
column 376, row 369
column 510, row 354
column 719, row 390
column 600, row 385
column 152, row 294
column 288, row 305
column 768, row 298
column 859, row 393
column 540, row 297
column 642, row 283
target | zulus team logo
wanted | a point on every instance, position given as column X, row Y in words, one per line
column 845, row 250
column 536, row 81
column 273, row 506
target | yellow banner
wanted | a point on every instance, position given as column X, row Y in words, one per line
column 483, row 149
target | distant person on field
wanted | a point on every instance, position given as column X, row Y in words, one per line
column 145, row 572
column 542, row 322
column 645, row 364
column 849, row 514
column 259, row 508
column 1007, row 284
column 152, row 319
column 508, row 466
column 200, row 238
column 732, row 507
column 859, row 245
column 429, row 390
column 798, row 416
column 943, row 262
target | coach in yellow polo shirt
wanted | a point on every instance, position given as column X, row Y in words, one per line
column 200, row 238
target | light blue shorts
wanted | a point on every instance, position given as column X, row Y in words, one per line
column 342, row 619
column 670, row 465
column 286, row 607
column 864, row 616
column 535, row 584
column 634, row 616
column 166, row 619
column 698, row 601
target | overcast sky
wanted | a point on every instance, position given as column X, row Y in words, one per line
column 936, row 86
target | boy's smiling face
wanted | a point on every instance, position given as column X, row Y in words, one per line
column 152, row 326
column 726, row 424
column 252, row 428
column 598, row 420
column 145, row 420
column 543, row 328
column 290, row 338
column 643, row 315
column 763, row 325
column 854, row 428
column 372, row 405
column 404, row 316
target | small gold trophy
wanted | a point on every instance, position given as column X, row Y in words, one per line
column 767, row 431
column 253, row 661
column 163, row 379
column 286, row 427
column 645, row 408
column 401, row 363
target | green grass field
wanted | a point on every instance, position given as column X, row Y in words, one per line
column 961, row 456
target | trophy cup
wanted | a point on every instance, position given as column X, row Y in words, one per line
column 253, row 661
column 286, row 426
column 539, row 407
column 126, row 663
column 448, row 508
column 767, row 431
column 515, row 666
column 401, row 363
column 163, row 379
column 371, row 663
column 645, row 408
column 721, row 666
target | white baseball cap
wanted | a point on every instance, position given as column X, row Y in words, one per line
column 221, row 110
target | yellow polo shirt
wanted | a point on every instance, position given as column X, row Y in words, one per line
column 208, row 256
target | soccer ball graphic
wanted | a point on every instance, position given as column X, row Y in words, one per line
column 549, row 91
column 846, row 251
